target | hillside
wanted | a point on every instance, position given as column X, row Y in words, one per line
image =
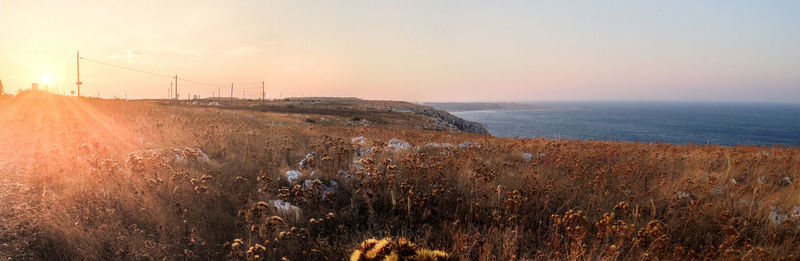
column 311, row 179
column 388, row 114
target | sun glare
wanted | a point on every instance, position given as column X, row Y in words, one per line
column 47, row 79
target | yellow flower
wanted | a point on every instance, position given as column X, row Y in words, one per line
column 431, row 255
column 379, row 248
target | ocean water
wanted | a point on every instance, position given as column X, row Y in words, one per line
column 681, row 123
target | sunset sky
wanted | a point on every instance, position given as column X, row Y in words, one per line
column 411, row 50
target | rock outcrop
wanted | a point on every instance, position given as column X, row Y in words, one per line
column 459, row 123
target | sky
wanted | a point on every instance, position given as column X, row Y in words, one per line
column 410, row 50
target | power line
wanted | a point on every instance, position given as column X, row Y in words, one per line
column 201, row 83
column 126, row 68
column 195, row 83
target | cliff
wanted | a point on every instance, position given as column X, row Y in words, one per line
column 365, row 112
column 458, row 123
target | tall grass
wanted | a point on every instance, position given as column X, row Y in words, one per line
column 200, row 183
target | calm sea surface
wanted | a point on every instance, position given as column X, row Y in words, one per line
column 683, row 123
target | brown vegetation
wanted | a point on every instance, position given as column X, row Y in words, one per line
column 107, row 179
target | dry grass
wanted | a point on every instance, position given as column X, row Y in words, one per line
column 138, row 180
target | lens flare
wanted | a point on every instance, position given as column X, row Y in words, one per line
column 47, row 79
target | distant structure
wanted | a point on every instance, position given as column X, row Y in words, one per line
column 34, row 86
column 2, row 91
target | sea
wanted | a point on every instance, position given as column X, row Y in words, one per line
column 668, row 122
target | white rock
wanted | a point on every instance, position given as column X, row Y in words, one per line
column 304, row 163
column 395, row 144
column 357, row 165
column 182, row 155
column 285, row 207
column 795, row 213
column 333, row 188
column 527, row 157
column 438, row 145
column 213, row 104
column 280, row 205
column 307, row 183
column 777, row 218
column 358, row 140
column 292, row 176
column 364, row 152
column 468, row 144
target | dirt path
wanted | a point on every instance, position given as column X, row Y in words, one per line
column 14, row 235
column 15, row 206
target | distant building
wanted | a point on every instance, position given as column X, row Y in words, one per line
column 2, row 91
column 35, row 86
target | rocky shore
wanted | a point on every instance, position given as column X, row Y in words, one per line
column 458, row 123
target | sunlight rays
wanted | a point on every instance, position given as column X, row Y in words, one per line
column 40, row 124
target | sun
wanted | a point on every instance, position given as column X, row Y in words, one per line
column 47, row 79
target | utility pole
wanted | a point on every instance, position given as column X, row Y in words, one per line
column 170, row 91
column 263, row 92
column 243, row 95
column 231, row 91
column 176, row 86
column 78, row 69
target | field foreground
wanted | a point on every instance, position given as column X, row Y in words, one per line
column 311, row 180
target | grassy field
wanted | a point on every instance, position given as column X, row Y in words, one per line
column 311, row 180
